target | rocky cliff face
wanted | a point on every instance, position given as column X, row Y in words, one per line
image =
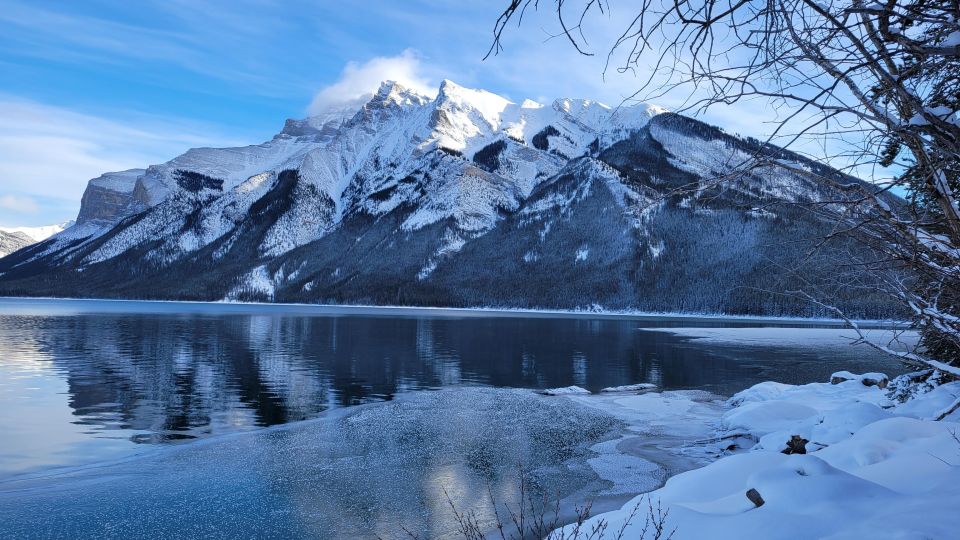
column 110, row 197
column 465, row 199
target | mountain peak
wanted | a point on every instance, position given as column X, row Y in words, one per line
column 464, row 112
column 447, row 85
column 488, row 103
column 390, row 93
column 395, row 93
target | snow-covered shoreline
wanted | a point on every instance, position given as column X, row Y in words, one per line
column 486, row 311
column 872, row 466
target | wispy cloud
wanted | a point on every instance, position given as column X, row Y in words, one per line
column 49, row 153
column 18, row 204
column 360, row 79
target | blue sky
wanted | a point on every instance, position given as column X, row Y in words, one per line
column 99, row 85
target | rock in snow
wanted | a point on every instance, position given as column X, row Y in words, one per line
column 867, row 379
column 873, row 468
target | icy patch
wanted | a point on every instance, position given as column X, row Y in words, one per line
column 582, row 254
column 629, row 474
column 667, row 433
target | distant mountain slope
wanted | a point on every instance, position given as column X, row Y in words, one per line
column 466, row 199
column 15, row 238
column 39, row 234
column 12, row 241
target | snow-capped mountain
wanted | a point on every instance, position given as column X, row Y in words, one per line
column 39, row 234
column 463, row 199
column 13, row 241
column 15, row 238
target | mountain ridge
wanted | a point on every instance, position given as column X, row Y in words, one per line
column 456, row 200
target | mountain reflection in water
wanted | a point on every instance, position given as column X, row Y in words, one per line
column 77, row 382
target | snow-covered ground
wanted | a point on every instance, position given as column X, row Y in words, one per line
column 875, row 465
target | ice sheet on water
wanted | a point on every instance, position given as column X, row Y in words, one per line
column 813, row 337
column 660, row 439
column 363, row 470
column 628, row 473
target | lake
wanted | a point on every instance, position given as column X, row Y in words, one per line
column 144, row 419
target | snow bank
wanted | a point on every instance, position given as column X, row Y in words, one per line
column 565, row 391
column 859, row 465
column 629, row 388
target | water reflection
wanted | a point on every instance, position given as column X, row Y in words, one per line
column 157, row 377
column 349, row 475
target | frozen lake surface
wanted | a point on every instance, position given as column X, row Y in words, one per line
column 135, row 419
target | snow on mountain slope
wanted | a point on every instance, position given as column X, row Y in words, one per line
column 15, row 238
column 464, row 198
column 707, row 156
column 232, row 165
column 13, row 241
column 357, row 160
column 209, row 214
column 39, row 234
column 464, row 119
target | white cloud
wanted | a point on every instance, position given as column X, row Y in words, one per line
column 48, row 153
column 18, row 204
column 361, row 80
